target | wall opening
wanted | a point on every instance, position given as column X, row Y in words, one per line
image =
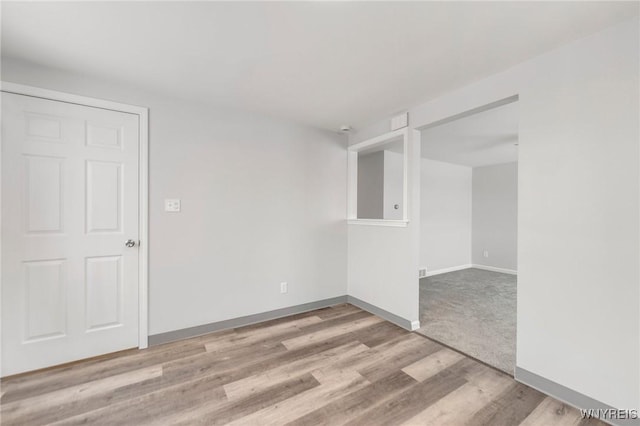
column 468, row 236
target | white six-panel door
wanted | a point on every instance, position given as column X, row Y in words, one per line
column 69, row 204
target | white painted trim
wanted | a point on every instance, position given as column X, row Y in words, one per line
column 415, row 325
column 143, row 230
column 378, row 222
column 470, row 112
column 352, row 176
column 467, row 266
column 143, row 182
column 405, row 176
column 378, row 140
column 352, row 186
column 38, row 92
column 445, row 270
column 494, row 269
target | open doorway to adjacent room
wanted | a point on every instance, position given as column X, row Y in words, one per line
column 468, row 241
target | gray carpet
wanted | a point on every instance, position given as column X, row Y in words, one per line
column 473, row 311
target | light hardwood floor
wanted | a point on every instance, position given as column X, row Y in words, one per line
column 338, row 365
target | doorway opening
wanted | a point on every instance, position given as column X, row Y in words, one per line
column 468, row 237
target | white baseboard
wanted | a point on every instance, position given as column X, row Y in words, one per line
column 445, row 270
column 415, row 325
column 467, row 266
column 494, row 269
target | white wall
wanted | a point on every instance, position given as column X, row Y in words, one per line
column 393, row 185
column 380, row 185
column 371, row 185
column 495, row 216
column 445, row 214
column 263, row 201
column 383, row 261
column 578, row 217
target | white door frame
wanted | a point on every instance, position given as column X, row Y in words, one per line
column 143, row 183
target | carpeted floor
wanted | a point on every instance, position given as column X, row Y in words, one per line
column 474, row 311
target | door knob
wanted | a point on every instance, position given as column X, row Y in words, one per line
column 130, row 243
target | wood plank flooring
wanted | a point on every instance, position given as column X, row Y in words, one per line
column 333, row 366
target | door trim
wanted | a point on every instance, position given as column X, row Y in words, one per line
column 143, row 183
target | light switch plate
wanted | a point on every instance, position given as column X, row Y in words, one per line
column 172, row 205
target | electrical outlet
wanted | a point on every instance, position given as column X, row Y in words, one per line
column 172, row 205
column 422, row 272
column 485, row 253
column 284, row 288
